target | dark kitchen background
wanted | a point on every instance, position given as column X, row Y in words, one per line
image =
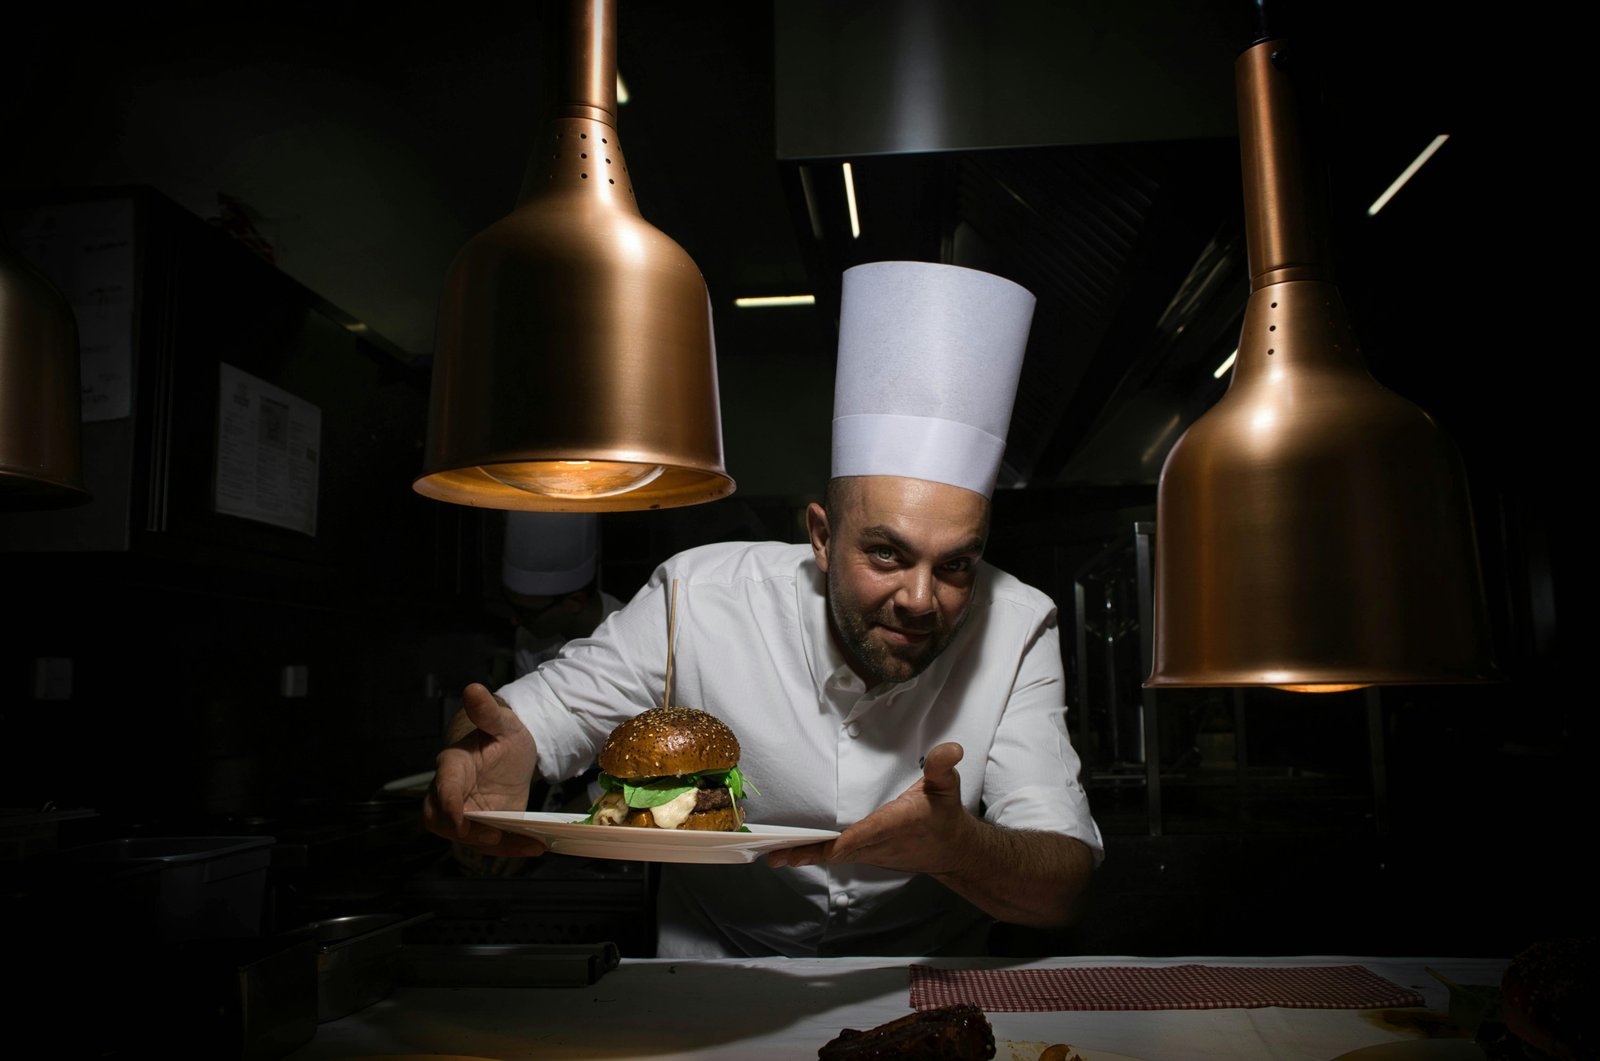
column 280, row 189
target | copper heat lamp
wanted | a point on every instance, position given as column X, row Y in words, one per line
column 574, row 363
column 1313, row 530
column 40, row 452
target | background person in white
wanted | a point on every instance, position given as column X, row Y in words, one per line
column 857, row 670
column 549, row 578
column 550, row 584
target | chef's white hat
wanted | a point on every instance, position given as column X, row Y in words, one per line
column 549, row 553
column 929, row 357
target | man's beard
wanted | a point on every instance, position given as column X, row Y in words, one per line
column 876, row 657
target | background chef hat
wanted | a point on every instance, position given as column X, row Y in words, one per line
column 549, row 553
column 929, row 357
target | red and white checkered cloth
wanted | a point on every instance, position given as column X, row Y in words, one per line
column 1157, row 987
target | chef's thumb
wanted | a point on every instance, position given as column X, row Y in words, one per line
column 939, row 768
column 487, row 711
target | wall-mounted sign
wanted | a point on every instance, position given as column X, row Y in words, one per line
column 268, row 444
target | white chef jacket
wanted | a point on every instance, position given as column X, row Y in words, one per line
column 530, row 651
column 751, row 646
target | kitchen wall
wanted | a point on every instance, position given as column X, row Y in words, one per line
column 216, row 677
column 357, row 146
column 209, row 661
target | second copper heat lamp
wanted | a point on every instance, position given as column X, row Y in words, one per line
column 1313, row 528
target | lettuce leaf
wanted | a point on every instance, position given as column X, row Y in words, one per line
column 656, row 792
column 659, row 790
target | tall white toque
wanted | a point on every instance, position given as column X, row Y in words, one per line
column 547, row 554
column 929, row 357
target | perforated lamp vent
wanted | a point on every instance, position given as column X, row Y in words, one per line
column 575, row 368
column 1313, row 528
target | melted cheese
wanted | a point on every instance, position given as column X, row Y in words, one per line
column 611, row 809
column 671, row 814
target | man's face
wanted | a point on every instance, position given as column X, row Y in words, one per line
column 900, row 556
column 539, row 615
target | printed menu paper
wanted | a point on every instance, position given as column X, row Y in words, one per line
column 267, row 453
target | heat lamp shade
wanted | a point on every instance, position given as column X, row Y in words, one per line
column 1314, row 528
column 574, row 366
column 40, row 417
column 573, row 331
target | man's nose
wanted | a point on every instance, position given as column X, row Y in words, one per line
column 916, row 596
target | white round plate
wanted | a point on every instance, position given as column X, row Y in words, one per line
column 565, row 835
column 1028, row 1050
column 1418, row 1050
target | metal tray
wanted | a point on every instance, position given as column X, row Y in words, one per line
column 358, row 959
column 506, row 964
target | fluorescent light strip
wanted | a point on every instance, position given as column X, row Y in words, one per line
column 1166, row 433
column 775, row 300
column 850, row 197
column 1399, row 182
column 622, row 91
column 812, row 212
column 1222, row 369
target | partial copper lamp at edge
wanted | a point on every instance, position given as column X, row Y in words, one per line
column 1313, row 528
column 575, row 367
column 41, row 462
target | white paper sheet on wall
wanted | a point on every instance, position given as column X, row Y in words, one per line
column 268, row 444
column 87, row 251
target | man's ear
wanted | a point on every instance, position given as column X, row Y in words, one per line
column 818, row 531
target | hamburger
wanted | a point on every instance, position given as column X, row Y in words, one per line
column 1545, row 996
column 671, row 768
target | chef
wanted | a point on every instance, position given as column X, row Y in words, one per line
column 549, row 577
column 550, row 583
column 882, row 679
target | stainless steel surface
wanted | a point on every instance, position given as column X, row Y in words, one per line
column 1313, row 528
column 358, row 959
column 927, row 75
column 506, row 964
column 263, row 1004
column 1149, row 715
column 788, row 1007
column 177, row 889
column 574, row 365
column 1110, row 654
column 29, row 831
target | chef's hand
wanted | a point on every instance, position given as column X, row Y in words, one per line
column 489, row 768
column 925, row 829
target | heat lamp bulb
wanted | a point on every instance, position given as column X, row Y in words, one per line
column 576, row 480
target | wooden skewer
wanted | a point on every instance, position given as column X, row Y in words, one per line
column 672, row 622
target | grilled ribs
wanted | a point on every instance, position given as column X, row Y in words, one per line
column 950, row 1033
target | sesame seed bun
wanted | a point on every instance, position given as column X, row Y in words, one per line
column 1545, row 994
column 725, row 820
column 667, row 741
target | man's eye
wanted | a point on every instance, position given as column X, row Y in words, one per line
column 956, row 567
column 882, row 552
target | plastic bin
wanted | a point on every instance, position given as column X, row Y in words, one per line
column 189, row 887
column 28, row 833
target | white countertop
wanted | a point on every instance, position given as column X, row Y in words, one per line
column 788, row 1007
